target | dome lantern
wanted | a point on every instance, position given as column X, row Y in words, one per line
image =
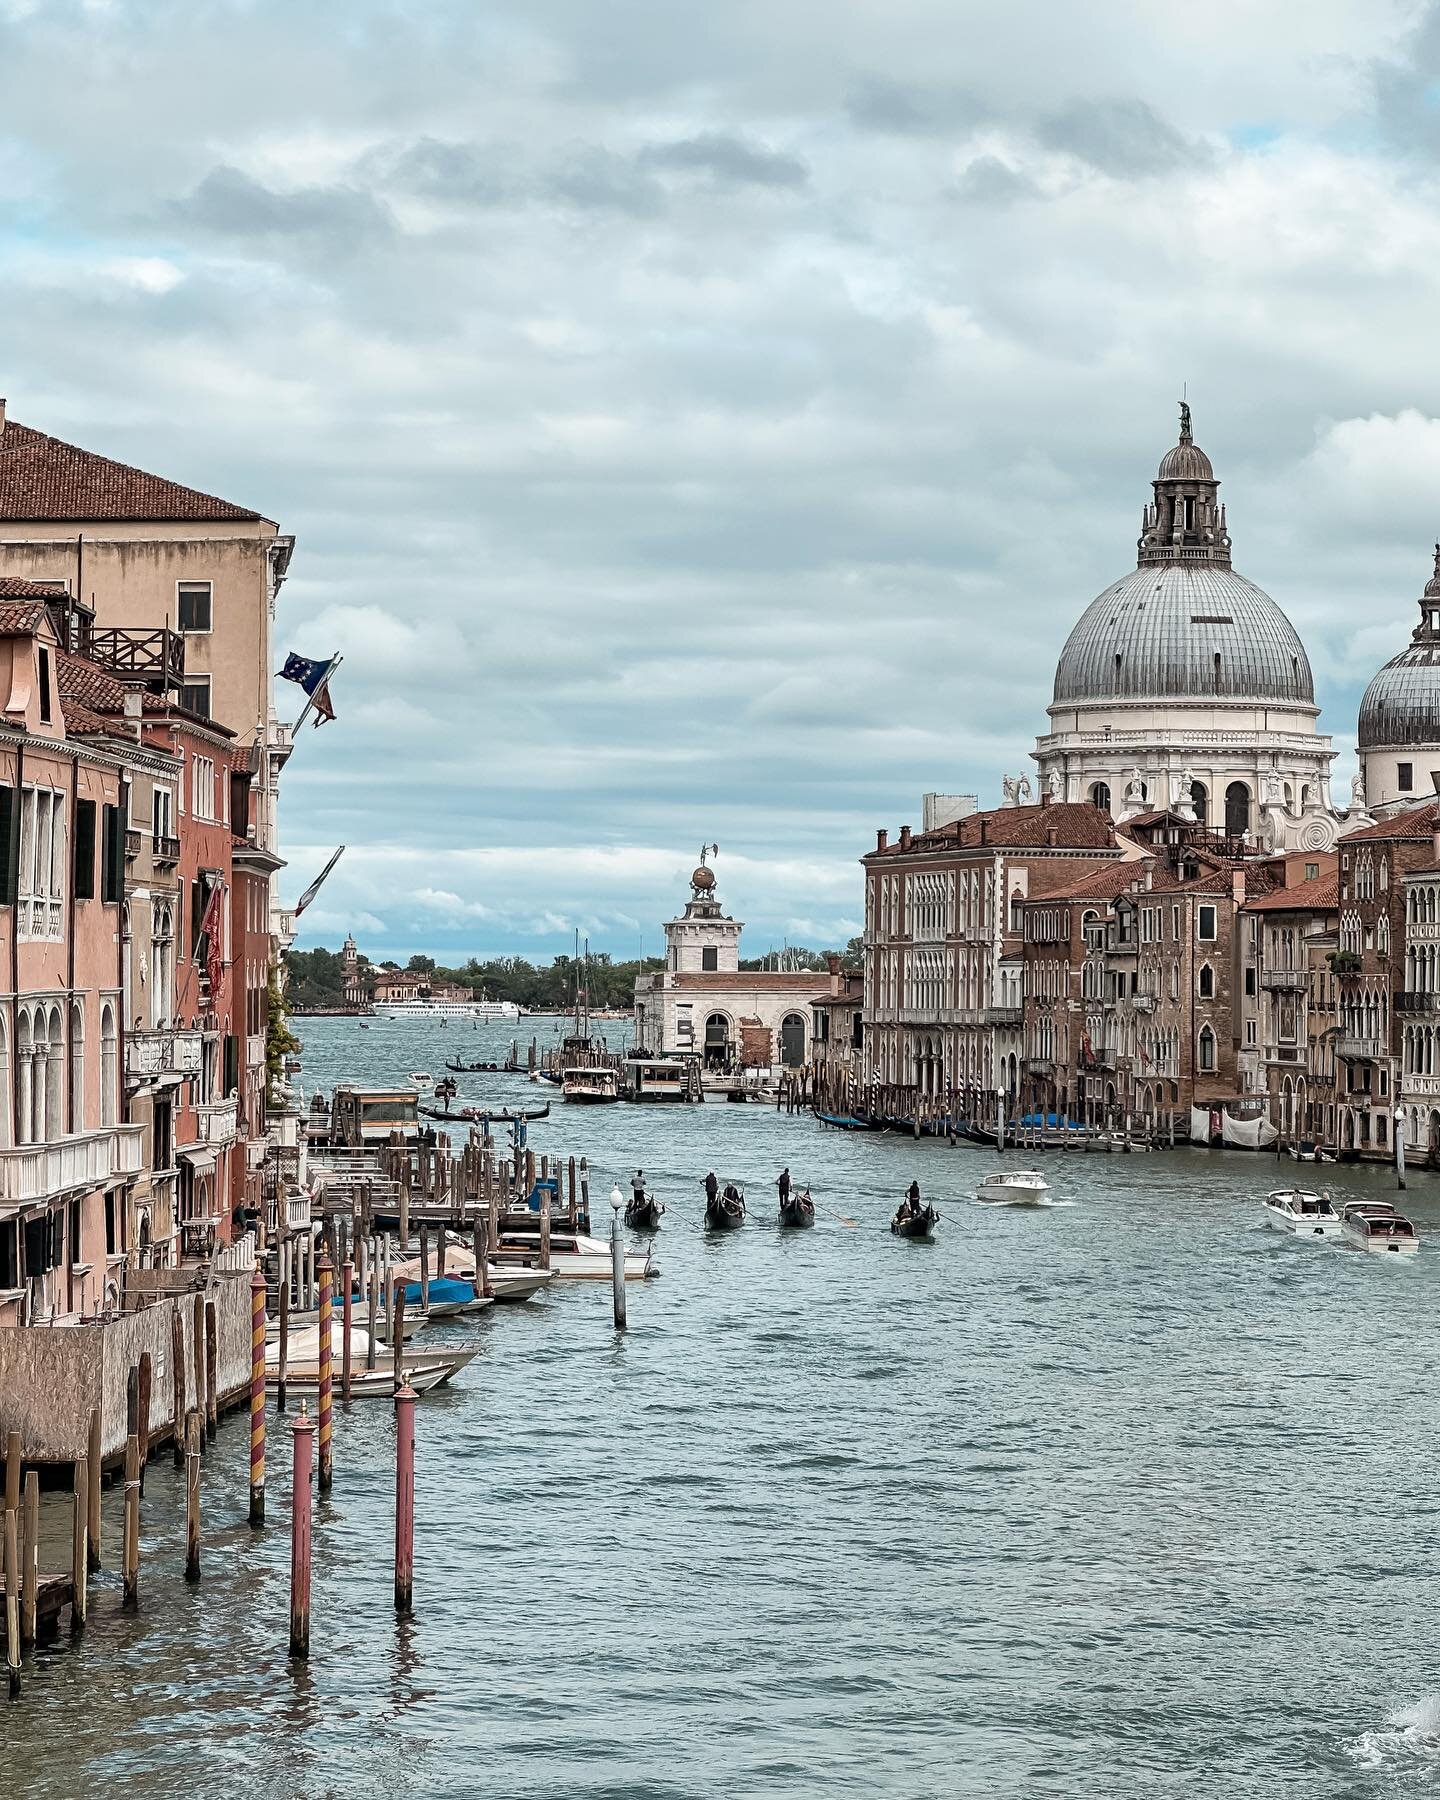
column 1185, row 521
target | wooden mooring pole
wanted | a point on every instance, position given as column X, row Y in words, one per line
column 12, row 1599
column 79, row 1548
column 177, row 1382
column 193, row 1436
column 282, row 1367
column 303, row 1432
column 130, row 1556
column 142, row 1390
column 30, row 1574
column 212, row 1379
column 257, row 1398
column 92, row 1470
column 405, row 1398
column 617, row 1258
column 347, row 1304
column 326, row 1383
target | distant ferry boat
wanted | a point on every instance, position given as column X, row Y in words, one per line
column 447, row 1009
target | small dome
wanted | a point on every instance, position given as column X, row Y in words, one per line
column 703, row 880
column 1186, row 462
column 1402, row 703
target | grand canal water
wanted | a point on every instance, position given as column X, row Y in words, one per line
column 1125, row 1498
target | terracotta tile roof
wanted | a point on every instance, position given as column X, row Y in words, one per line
column 1307, row 896
column 1106, row 884
column 1077, row 826
column 42, row 478
column 1415, row 822
column 87, row 684
column 13, row 587
column 20, row 619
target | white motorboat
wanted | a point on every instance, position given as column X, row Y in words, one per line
column 589, row 1086
column 1014, row 1187
column 423, row 1369
column 419, row 1079
column 1375, row 1225
column 573, row 1256
column 1302, row 1213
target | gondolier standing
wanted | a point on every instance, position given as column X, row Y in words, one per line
column 637, row 1186
column 782, row 1184
column 712, row 1187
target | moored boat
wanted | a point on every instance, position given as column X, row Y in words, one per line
column 797, row 1209
column 1302, row 1213
column 573, row 1256
column 1014, row 1187
column 424, row 1369
column 1375, row 1225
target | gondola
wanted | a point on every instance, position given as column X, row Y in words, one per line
column 797, row 1210
column 916, row 1225
column 726, row 1212
column 507, row 1115
column 642, row 1212
column 477, row 1068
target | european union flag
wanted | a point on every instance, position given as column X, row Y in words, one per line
column 307, row 670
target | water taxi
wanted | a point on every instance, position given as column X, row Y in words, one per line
column 1375, row 1225
column 1302, row 1213
column 1014, row 1187
column 573, row 1256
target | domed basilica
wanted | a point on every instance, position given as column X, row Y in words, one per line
column 1184, row 686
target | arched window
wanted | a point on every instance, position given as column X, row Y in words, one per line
column 792, row 1041
column 1207, row 1050
column 4, row 1080
column 55, row 1078
column 25, row 1059
column 1200, row 800
column 77, row 1066
column 108, row 1071
column 1100, row 795
column 1017, row 910
column 1207, row 982
column 1237, row 809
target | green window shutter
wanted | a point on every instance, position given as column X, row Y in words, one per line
column 9, row 845
column 84, row 849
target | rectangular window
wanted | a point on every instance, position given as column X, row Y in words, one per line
column 197, row 914
column 84, row 849
column 709, row 957
column 194, row 606
column 1404, row 774
column 1250, row 982
column 1205, row 927
column 1249, row 1031
column 240, row 802
column 42, row 871
column 44, row 685
column 1312, row 871
column 195, row 696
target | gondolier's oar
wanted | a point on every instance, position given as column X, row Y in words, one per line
column 829, row 1211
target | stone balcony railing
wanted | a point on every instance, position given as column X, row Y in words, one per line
column 152, row 1054
column 1287, row 981
column 1003, row 1015
column 216, row 1122
column 1358, row 1049
column 88, row 1159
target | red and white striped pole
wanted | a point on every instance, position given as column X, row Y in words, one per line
column 303, row 1430
column 346, row 1299
column 405, row 1399
column 325, row 1269
column 257, row 1397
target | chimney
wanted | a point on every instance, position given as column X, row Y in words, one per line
column 1052, row 836
column 1149, row 876
column 2, row 415
column 1237, row 886
column 832, row 963
column 984, row 829
column 134, row 705
column 1044, row 796
column 882, row 837
column 1435, row 840
column 904, row 837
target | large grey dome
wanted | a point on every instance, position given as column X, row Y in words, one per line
column 1184, row 631
column 1402, row 703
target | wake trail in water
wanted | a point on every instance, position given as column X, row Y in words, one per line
column 1410, row 1735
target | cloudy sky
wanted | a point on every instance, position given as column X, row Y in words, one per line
column 705, row 422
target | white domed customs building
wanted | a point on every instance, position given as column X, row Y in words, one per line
column 1184, row 686
column 1399, row 735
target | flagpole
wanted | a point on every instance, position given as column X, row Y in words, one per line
column 331, row 667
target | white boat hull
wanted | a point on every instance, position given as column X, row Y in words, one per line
column 1304, row 1226
column 1014, row 1190
column 1378, row 1245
